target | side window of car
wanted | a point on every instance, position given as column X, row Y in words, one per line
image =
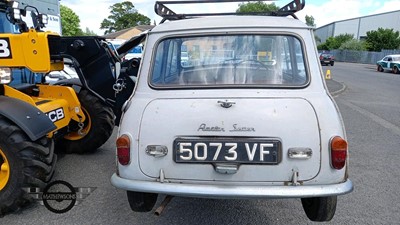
column 172, row 59
column 293, row 67
column 389, row 59
column 158, row 65
column 286, row 64
column 385, row 59
column 166, row 67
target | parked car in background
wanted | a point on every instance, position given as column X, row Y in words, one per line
column 22, row 75
column 135, row 52
column 116, row 42
column 327, row 59
column 67, row 73
column 389, row 63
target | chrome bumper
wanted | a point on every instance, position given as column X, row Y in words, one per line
column 225, row 191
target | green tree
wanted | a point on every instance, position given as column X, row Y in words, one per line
column 310, row 21
column 69, row 22
column 89, row 32
column 123, row 15
column 317, row 39
column 354, row 44
column 382, row 39
column 257, row 7
column 335, row 42
column 325, row 46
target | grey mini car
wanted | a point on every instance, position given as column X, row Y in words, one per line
column 247, row 115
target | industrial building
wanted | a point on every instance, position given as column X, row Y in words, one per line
column 127, row 33
column 359, row 26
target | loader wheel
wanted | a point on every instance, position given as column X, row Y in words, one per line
column 24, row 164
column 96, row 130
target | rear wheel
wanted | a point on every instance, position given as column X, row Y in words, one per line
column 96, row 129
column 396, row 70
column 23, row 163
column 140, row 201
column 379, row 68
column 319, row 208
column 332, row 63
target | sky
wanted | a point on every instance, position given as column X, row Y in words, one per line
column 92, row 12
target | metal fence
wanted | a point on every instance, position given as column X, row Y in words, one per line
column 361, row 56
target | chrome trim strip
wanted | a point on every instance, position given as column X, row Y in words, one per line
column 227, row 191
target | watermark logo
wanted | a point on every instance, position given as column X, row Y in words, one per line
column 60, row 196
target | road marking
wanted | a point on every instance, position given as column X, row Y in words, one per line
column 388, row 125
column 336, row 93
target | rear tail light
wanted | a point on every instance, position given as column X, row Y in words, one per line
column 338, row 152
column 124, row 150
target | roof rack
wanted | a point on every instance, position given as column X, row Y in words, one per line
column 167, row 14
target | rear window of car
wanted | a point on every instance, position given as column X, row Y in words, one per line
column 229, row 60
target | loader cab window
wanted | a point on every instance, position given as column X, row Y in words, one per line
column 24, row 76
column 6, row 26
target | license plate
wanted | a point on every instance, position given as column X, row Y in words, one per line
column 243, row 151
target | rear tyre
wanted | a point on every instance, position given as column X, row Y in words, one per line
column 396, row 70
column 332, row 63
column 97, row 128
column 141, row 202
column 379, row 68
column 320, row 208
column 23, row 164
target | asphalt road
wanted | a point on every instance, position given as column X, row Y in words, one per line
column 370, row 106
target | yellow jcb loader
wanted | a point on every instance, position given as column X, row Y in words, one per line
column 73, row 115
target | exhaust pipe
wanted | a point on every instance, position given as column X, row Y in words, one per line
column 163, row 204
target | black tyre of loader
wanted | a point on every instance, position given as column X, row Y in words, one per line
column 97, row 128
column 24, row 163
